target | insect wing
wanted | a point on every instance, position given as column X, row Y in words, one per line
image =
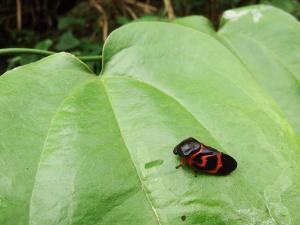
column 229, row 164
column 215, row 163
column 208, row 149
column 205, row 162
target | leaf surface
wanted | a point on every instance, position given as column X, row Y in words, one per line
column 206, row 92
column 270, row 53
column 29, row 98
column 99, row 149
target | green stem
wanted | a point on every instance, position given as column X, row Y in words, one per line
column 90, row 58
column 16, row 51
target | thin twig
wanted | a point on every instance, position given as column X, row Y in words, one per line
column 169, row 9
column 146, row 7
column 104, row 24
column 103, row 20
column 131, row 13
column 19, row 14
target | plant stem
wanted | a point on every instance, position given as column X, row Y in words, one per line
column 90, row 58
column 16, row 51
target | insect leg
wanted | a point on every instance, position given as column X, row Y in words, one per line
column 194, row 171
column 181, row 164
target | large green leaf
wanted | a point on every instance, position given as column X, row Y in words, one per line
column 79, row 149
column 29, row 98
column 267, row 41
column 229, row 108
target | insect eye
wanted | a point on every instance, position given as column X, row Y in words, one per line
column 186, row 147
column 175, row 151
column 190, row 147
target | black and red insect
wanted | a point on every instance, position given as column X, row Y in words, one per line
column 201, row 157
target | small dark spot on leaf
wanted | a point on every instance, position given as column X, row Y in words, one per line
column 27, row 168
column 154, row 163
column 183, row 218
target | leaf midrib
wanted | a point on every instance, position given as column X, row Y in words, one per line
column 132, row 161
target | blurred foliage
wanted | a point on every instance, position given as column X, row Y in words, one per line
column 291, row 6
column 81, row 26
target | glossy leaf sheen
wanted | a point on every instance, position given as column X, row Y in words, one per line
column 79, row 149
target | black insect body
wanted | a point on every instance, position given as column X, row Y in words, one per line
column 204, row 158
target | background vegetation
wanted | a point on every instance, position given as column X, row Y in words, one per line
column 81, row 26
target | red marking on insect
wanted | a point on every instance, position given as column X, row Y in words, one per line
column 204, row 158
